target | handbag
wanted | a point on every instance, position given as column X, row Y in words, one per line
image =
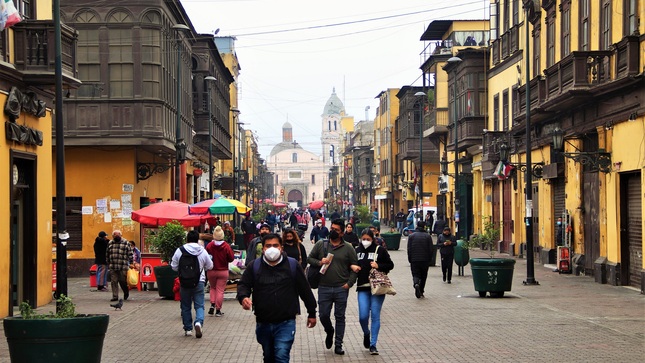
column 380, row 282
column 313, row 272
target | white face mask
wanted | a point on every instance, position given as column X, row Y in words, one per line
column 272, row 254
column 366, row 243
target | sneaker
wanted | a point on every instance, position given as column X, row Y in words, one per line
column 188, row 333
column 198, row 330
column 417, row 291
column 329, row 339
column 339, row 350
column 366, row 340
column 219, row 313
column 373, row 350
column 211, row 311
column 449, row 281
column 103, row 289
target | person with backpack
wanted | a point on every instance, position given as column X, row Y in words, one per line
column 271, row 286
column 191, row 261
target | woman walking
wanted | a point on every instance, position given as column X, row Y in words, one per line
column 349, row 236
column 370, row 256
column 222, row 254
column 293, row 247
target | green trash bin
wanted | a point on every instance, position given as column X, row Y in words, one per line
column 461, row 254
column 392, row 240
column 494, row 275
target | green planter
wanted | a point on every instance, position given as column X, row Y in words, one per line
column 461, row 254
column 78, row 339
column 392, row 240
column 494, row 275
column 165, row 277
column 239, row 241
column 359, row 227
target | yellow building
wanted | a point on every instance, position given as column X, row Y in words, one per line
column 585, row 61
column 385, row 151
column 26, row 154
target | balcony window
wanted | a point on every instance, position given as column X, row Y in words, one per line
column 151, row 62
column 516, row 12
column 120, row 63
column 536, row 50
column 496, row 112
column 631, row 17
column 605, row 27
column 26, row 8
column 584, row 24
column 565, row 41
column 89, row 63
column 505, row 109
column 507, row 14
column 550, row 38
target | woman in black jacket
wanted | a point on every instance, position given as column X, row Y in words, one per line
column 349, row 236
column 293, row 247
column 370, row 256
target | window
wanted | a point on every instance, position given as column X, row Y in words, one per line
column 329, row 125
column 584, row 25
column 515, row 102
column 550, row 38
column 507, row 15
column 605, row 25
column 120, row 63
column 536, row 50
column 151, row 62
column 505, row 110
column 89, row 63
column 335, row 126
column 313, row 179
column 565, row 23
column 494, row 19
column 516, row 12
column 294, row 157
column 631, row 18
column 496, row 112
column 26, row 8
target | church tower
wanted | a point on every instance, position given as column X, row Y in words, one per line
column 330, row 123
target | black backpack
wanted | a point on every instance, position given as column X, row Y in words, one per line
column 189, row 271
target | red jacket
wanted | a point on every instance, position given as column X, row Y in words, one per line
column 222, row 255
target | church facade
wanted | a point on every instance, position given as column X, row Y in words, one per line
column 298, row 173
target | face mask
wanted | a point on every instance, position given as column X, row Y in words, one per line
column 117, row 239
column 559, row 223
column 289, row 240
column 272, row 254
column 334, row 234
column 263, row 233
column 366, row 243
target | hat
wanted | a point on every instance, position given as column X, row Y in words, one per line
column 264, row 225
column 446, row 228
column 227, row 222
column 218, row 234
column 102, row 234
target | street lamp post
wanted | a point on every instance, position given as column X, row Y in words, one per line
column 210, row 79
column 528, row 220
column 178, row 139
column 455, row 61
column 420, row 205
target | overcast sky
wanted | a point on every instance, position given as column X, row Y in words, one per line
column 294, row 52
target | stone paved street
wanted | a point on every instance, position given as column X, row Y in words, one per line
column 564, row 319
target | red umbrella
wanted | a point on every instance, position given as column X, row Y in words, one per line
column 279, row 205
column 316, row 204
column 158, row 214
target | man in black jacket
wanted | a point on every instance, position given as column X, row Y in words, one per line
column 420, row 249
column 276, row 283
column 248, row 227
column 446, row 243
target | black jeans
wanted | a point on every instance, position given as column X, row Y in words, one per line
column 446, row 266
column 420, row 273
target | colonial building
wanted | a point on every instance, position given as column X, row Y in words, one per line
column 330, row 127
column 27, row 82
column 385, row 151
column 298, row 173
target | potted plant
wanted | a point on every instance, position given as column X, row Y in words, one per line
column 364, row 217
column 493, row 275
column 63, row 336
column 165, row 242
column 392, row 238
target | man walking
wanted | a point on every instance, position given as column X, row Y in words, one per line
column 100, row 259
column 400, row 219
column 119, row 258
column 340, row 258
column 254, row 248
column 192, row 295
column 446, row 243
column 420, row 247
column 248, row 227
column 276, row 281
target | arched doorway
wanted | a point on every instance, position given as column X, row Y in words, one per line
column 295, row 196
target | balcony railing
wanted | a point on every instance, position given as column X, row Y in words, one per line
column 35, row 53
column 506, row 44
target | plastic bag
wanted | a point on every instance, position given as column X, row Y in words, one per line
column 133, row 278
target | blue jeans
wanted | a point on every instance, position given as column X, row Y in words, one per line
column 101, row 275
column 276, row 340
column 189, row 296
column 399, row 226
column 370, row 304
column 327, row 296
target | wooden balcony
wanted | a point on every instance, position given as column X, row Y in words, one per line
column 436, row 122
column 220, row 138
column 470, row 132
column 490, row 157
column 35, row 52
column 506, row 45
column 409, row 150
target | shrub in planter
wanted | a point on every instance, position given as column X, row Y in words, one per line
column 63, row 336
column 165, row 242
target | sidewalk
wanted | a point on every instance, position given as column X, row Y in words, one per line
column 566, row 318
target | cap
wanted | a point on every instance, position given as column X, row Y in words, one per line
column 446, row 228
column 264, row 225
column 102, row 234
